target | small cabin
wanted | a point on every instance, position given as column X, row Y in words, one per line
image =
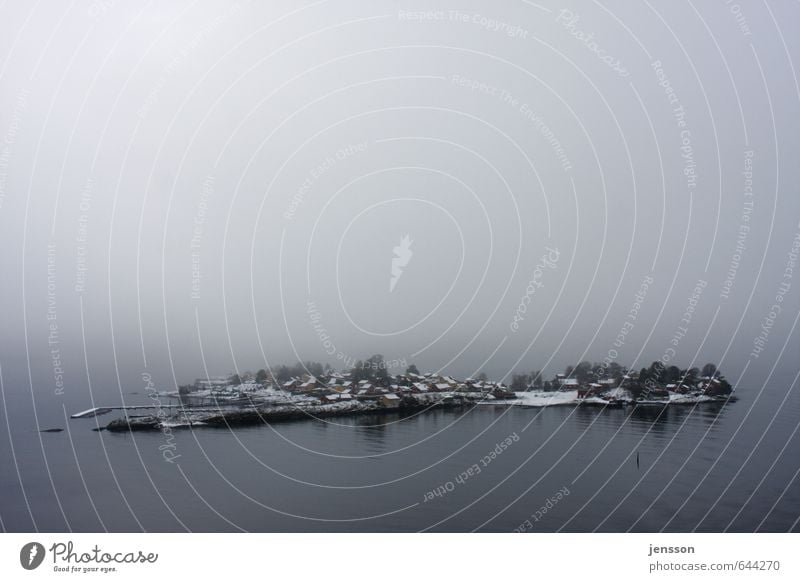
column 390, row 400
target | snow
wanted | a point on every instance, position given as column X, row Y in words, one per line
column 688, row 399
column 540, row 399
column 619, row 393
column 91, row 412
column 594, row 400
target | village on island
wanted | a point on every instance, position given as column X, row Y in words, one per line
column 313, row 391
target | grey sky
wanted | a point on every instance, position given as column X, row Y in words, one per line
column 298, row 143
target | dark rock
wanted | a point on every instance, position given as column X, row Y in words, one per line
column 133, row 423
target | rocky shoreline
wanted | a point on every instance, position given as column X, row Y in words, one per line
column 273, row 414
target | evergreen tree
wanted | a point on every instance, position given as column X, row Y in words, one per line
column 709, row 370
column 519, row 382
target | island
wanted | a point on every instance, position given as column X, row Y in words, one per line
column 311, row 391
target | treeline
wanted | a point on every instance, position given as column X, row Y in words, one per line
column 283, row 373
column 586, row 372
column 373, row 369
column 658, row 372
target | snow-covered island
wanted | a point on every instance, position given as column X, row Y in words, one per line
column 313, row 391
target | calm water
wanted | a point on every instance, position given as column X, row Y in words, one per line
column 698, row 468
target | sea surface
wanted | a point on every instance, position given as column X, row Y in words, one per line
column 709, row 467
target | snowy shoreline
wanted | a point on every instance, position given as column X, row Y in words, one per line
column 542, row 399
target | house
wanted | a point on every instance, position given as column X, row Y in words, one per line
column 210, row 383
column 337, row 397
column 714, row 388
column 478, row 387
column 592, row 389
column 571, row 383
column 657, row 393
column 309, row 385
column 390, row 400
column 502, row 393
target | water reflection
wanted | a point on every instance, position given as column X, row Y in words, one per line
column 668, row 418
column 372, row 430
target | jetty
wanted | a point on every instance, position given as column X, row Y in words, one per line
column 272, row 414
column 100, row 410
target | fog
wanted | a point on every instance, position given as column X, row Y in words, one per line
column 191, row 189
